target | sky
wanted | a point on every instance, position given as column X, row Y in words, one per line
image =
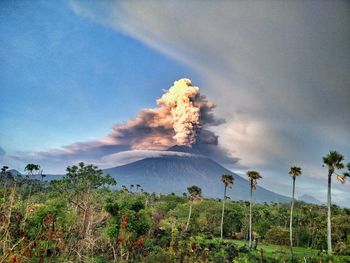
column 74, row 74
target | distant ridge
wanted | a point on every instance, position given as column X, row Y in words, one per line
column 15, row 173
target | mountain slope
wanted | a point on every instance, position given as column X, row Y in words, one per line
column 175, row 173
column 309, row 199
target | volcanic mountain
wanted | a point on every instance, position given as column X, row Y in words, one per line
column 175, row 172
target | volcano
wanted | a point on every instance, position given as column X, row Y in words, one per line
column 174, row 173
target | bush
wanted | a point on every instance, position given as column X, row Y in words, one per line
column 278, row 235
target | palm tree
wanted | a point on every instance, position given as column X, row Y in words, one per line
column 195, row 194
column 253, row 177
column 294, row 172
column 342, row 178
column 227, row 179
column 333, row 160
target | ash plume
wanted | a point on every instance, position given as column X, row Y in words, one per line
column 179, row 119
column 182, row 117
column 184, row 103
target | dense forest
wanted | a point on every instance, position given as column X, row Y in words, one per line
column 87, row 217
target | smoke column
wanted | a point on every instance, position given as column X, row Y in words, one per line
column 183, row 102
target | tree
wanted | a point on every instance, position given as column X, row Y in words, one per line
column 195, row 193
column 294, row 172
column 333, row 160
column 31, row 168
column 5, row 176
column 253, row 177
column 227, row 179
column 77, row 185
column 277, row 235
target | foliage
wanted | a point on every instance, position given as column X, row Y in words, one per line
column 278, row 235
column 80, row 219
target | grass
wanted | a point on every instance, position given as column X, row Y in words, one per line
column 270, row 249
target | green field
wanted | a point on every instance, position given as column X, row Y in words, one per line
column 270, row 249
column 283, row 252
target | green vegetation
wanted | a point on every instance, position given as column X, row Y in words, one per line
column 294, row 172
column 79, row 218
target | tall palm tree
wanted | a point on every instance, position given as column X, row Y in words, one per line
column 195, row 193
column 227, row 179
column 333, row 160
column 294, row 172
column 253, row 177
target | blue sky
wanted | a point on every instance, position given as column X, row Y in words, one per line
column 65, row 78
column 277, row 71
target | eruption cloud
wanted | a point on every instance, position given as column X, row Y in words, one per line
column 183, row 103
column 181, row 118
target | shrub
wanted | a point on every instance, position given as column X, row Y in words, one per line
column 278, row 235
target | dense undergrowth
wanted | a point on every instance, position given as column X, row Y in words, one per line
column 79, row 219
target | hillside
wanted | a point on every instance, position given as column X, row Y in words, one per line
column 174, row 174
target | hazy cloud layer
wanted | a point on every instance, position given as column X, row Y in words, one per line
column 126, row 157
column 279, row 70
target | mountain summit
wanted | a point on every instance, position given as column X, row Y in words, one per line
column 167, row 174
column 185, row 149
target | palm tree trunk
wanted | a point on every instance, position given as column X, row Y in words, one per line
column 189, row 216
column 291, row 219
column 222, row 214
column 329, row 230
column 250, row 213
